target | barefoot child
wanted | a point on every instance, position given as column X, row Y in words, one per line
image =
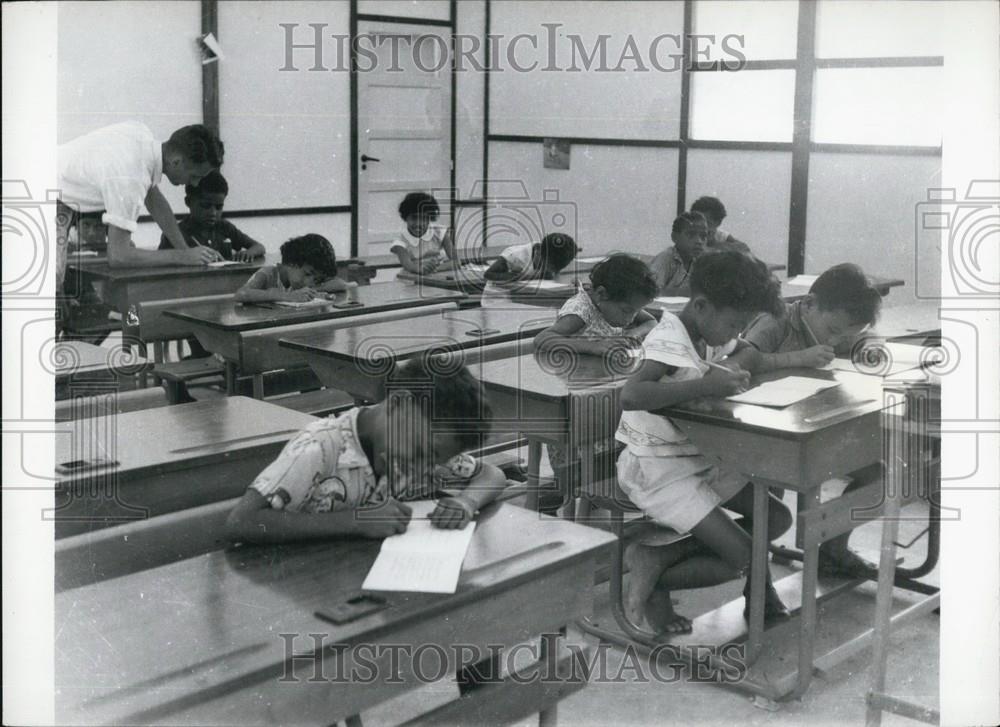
column 840, row 306
column 409, row 447
column 663, row 473
column 308, row 269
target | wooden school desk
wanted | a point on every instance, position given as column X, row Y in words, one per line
column 918, row 321
column 570, row 401
column 78, row 362
column 472, row 282
column 246, row 335
column 358, row 360
column 466, row 255
column 791, row 291
column 167, row 458
column 200, row 641
column 834, row 432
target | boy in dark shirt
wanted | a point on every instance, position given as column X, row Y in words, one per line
column 205, row 226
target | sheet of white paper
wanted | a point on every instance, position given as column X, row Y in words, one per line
column 476, row 267
column 85, row 253
column 802, row 280
column 424, row 559
column 782, row 392
column 672, row 300
column 589, row 259
column 223, row 263
column 902, row 357
column 549, row 285
column 314, row 303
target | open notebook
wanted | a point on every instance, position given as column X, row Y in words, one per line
column 425, row 559
column 783, row 392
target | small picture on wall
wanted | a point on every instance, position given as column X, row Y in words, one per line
column 556, row 153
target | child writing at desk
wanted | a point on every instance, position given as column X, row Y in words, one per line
column 204, row 225
column 411, row 446
column 308, row 269
column 841, row 305
column 525, row 263
column 662, row 471
column 422, row 246
column 609, row 314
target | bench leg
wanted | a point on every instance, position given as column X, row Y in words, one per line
column 534, row 466
column 230, row 378
column 258, row 386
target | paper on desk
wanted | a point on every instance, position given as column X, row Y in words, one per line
column 223, row 263
column 886, row 358
column 589, row 259
column 314, row 303
column 672, row 300
column 85, row 253
column 783, row 392
column 802, row 280
column 476, row 267
column 549, row 285
column 424, row 559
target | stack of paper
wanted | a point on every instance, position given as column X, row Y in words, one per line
column 783, row 392
column 424, row 559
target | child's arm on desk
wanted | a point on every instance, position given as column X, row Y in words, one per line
column 335, row 285
column 565, row 333
column 499, row 271
column 642, row 325
column 253, row 520
column 455, row 510
column 644, row 391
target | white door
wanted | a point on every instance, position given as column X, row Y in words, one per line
column 404, row 125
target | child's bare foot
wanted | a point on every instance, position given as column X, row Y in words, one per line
column 644, row 566
column 840, row 561
column 662, row 617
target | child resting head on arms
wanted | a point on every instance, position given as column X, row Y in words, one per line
column 596, row 319
column 308, row 269
column 350, row 475
column 543, row 259
column 662, row 471
column 422, row 246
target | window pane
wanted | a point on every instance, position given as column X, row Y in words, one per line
column 878, row 106
column 768, row 28
column 851, row 29
column 743, row 105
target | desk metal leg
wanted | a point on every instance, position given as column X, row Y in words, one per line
column 883, row 607
column 258, row 386
column 532, row 475
column 230, row 373
column 807, row 620
column 758, row 573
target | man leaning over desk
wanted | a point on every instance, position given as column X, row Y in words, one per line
column 116, row 170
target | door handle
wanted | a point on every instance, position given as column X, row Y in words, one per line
column 366, row 158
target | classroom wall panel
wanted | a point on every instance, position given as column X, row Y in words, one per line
column 599, row 102
column 768, row 28
column 429, row 9
column 469, row 94
column 862, row 209
column 743, row 106
column 287, row 133
column 611, row 198
column 852, row 29
column 271, row 232
column 755, row 187
column 103, row 82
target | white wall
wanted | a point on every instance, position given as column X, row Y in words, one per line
column 469, row 94
column 287, row 133
column 430, row 9
column 862, row 209
column 116, row 64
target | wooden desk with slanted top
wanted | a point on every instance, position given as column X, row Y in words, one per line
column 120, row 467
column 247, row 335
column 231, row 637
column 358, row 360
column 78, row 362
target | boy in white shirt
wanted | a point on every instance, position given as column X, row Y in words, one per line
column 662, row 471
column 422, row 246
column 115, row 170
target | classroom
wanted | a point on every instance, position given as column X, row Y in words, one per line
column 501, row 362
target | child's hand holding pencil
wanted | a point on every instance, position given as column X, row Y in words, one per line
column 725, row 380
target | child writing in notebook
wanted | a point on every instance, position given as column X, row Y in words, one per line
column 672, row 267
column 204, row 225
column 308, row 269
column 422, row 246
column 840, row 306
column 714, row 213
column 526, row 263
column 376, row 458
column 662, row 471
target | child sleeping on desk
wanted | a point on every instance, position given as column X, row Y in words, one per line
column 351, row 475
column 841, row 305
column 662, row 471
